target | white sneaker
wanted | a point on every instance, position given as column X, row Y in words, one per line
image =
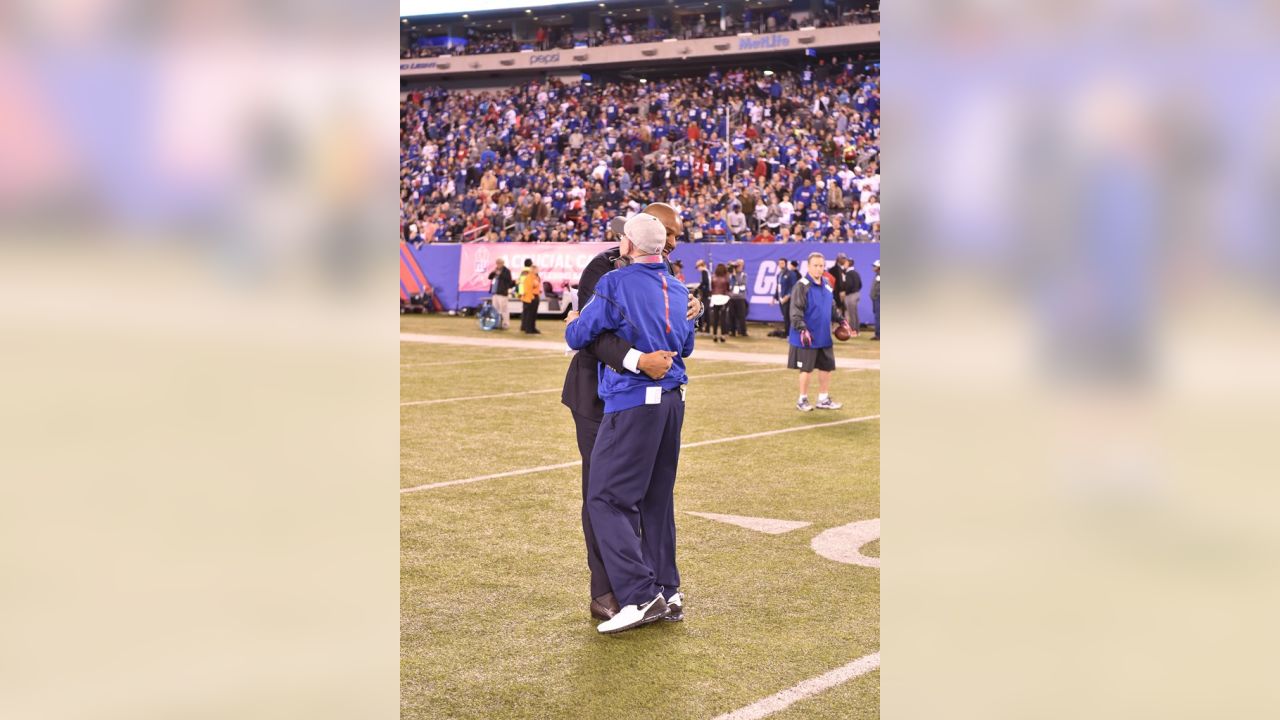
column 829, row 404
column 675, row 608
column 803, row 405
column 631, row 616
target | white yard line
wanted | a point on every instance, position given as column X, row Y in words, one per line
column 551, row 390
column 769, row 526
column 778, row 358
column 575, row 463
column 509, row 473
column 767, row 433
column 478, row 397
column 808, row 688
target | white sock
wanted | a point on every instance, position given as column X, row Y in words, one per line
column 822, row 397
column 804, row 398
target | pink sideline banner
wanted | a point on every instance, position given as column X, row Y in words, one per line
column 557, row 262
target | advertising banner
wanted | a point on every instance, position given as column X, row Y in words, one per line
column 761, row 261
column 460, row 273
column 556, row 262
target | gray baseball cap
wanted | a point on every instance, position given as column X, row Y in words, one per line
column 646, row 232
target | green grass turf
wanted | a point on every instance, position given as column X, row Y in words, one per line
column 756, row 341
column 494, row 582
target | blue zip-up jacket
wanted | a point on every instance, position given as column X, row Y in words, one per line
column 812, row 307
column 629, row 302
column 786, row 281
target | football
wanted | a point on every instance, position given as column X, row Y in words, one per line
column 843, row 333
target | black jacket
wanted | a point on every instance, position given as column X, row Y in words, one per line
column 852, row 281
column 582, row 380
column 505, row 283
column 837, row 274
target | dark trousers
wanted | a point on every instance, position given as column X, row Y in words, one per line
column 529, row 316
column 738, row 315
column 587, row 429
column 786, row 317
column 717, row 319
column 875, row 307
column 704, row 322
column 633, row 474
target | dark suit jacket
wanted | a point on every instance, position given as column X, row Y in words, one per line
column 582, row 380
column 837, row 273
column 852, row 281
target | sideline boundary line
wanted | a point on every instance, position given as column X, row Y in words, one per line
column 517, row 358
column 772, row 357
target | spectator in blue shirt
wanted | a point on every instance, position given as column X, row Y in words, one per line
column 786, row 280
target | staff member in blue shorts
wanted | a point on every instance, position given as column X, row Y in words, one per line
column 813, row 305
column 633, row 463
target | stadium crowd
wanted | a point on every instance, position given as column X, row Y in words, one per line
column 744, row 155
column 616, row 31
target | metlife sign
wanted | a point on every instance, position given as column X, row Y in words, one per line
column 767, row 42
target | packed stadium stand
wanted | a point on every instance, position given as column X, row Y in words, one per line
column 776, row 146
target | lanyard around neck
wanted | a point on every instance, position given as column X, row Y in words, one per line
column 666, row 299
column 666, row 302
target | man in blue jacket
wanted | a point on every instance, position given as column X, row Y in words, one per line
column 812, row 307
column 786, row 280
column 633, row 463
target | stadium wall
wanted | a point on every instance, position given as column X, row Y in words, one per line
column 442, row 266
column 669, row 50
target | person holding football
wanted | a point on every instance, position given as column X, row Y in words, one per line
column 813, row 307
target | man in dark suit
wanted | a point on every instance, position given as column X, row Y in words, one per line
column 738, row 298
column 837, row 274
column 704, row 293
column 582, row 380
column 786, row 280
column 852, row 294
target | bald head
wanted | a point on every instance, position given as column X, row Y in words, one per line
column 670, row 219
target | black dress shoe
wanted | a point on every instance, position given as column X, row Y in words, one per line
column 604, row 607
column 675, row 608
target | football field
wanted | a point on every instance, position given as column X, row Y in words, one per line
column 781, row 618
